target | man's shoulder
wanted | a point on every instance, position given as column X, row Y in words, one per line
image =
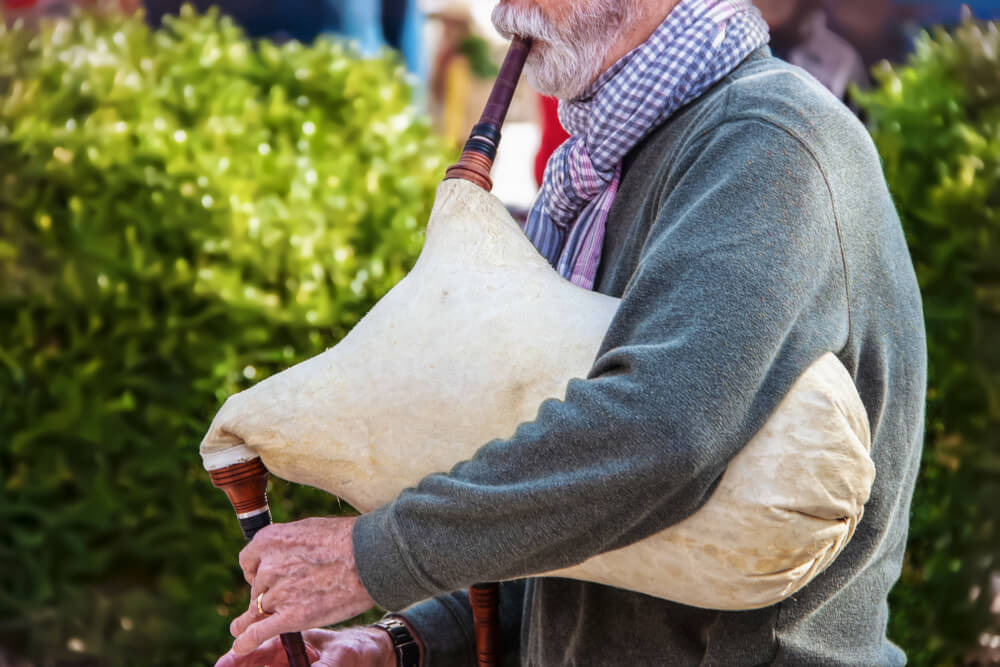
column 766, row 111
column 770, row 95
column 769, row 90
column 763, row 93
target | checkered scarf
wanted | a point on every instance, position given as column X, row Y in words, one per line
column 699, row 43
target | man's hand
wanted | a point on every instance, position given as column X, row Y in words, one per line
column 304, row 576
column 355, row 647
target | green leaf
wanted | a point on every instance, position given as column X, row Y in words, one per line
column 183, row 212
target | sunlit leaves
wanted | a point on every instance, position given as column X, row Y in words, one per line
column 936, row 122
column 182, row 213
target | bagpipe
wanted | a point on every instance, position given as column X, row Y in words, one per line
column 467, row 346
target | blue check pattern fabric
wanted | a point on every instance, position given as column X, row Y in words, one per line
column 698, row 44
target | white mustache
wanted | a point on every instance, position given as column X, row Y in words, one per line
column 524, row 22
column 567, row 55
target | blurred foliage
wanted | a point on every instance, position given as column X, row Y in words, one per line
column 936, row 121
column 182, row 212
column 477, row 52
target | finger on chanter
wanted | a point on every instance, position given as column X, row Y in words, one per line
column 259, row 631
column 251, row 554
column 271, row 653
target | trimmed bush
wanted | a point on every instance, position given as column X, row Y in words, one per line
column 936, row 121
column 182, row 213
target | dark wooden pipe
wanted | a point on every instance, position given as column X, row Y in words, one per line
column 481, row 149
column 475, row 165
column 245, row 484
column 485, row 601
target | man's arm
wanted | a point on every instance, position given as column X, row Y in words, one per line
column 739, row 288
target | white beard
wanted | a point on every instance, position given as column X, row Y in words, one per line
column 567, row 56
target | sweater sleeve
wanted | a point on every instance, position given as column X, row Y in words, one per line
column 739, row 287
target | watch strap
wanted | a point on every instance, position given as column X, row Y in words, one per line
column 403, row 643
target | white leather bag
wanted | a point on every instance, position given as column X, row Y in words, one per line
column 459, row 353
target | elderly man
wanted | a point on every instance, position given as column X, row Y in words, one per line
column 740, row 213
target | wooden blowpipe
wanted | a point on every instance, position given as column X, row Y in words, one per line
column 475, row 165
column 481, row 149
column 245, row 484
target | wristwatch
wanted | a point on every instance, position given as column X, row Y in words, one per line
column 407, row 651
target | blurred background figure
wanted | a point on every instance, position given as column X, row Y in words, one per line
column 288, row 19
column 33, row 9
column 360, row 20
column 838, row 41
column 800, row 35
column 451, row 76
column 466, row 57
column 372, row 24
column 376, row 24
column 403, row 23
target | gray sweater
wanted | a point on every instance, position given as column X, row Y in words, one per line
column 752, row 233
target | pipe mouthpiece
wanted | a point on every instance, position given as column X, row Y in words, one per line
column 480, row 150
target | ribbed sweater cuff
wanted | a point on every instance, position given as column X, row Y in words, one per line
column 387, row 572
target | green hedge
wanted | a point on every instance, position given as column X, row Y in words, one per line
column 936, row 121
column 182, row 212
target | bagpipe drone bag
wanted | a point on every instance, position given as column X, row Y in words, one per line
column 460, row 352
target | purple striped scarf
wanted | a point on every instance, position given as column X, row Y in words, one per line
column 699, row 43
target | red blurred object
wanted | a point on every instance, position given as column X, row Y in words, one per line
column 553, row 134
column 19, row 4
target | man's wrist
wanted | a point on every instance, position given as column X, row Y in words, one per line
column 405, row 642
